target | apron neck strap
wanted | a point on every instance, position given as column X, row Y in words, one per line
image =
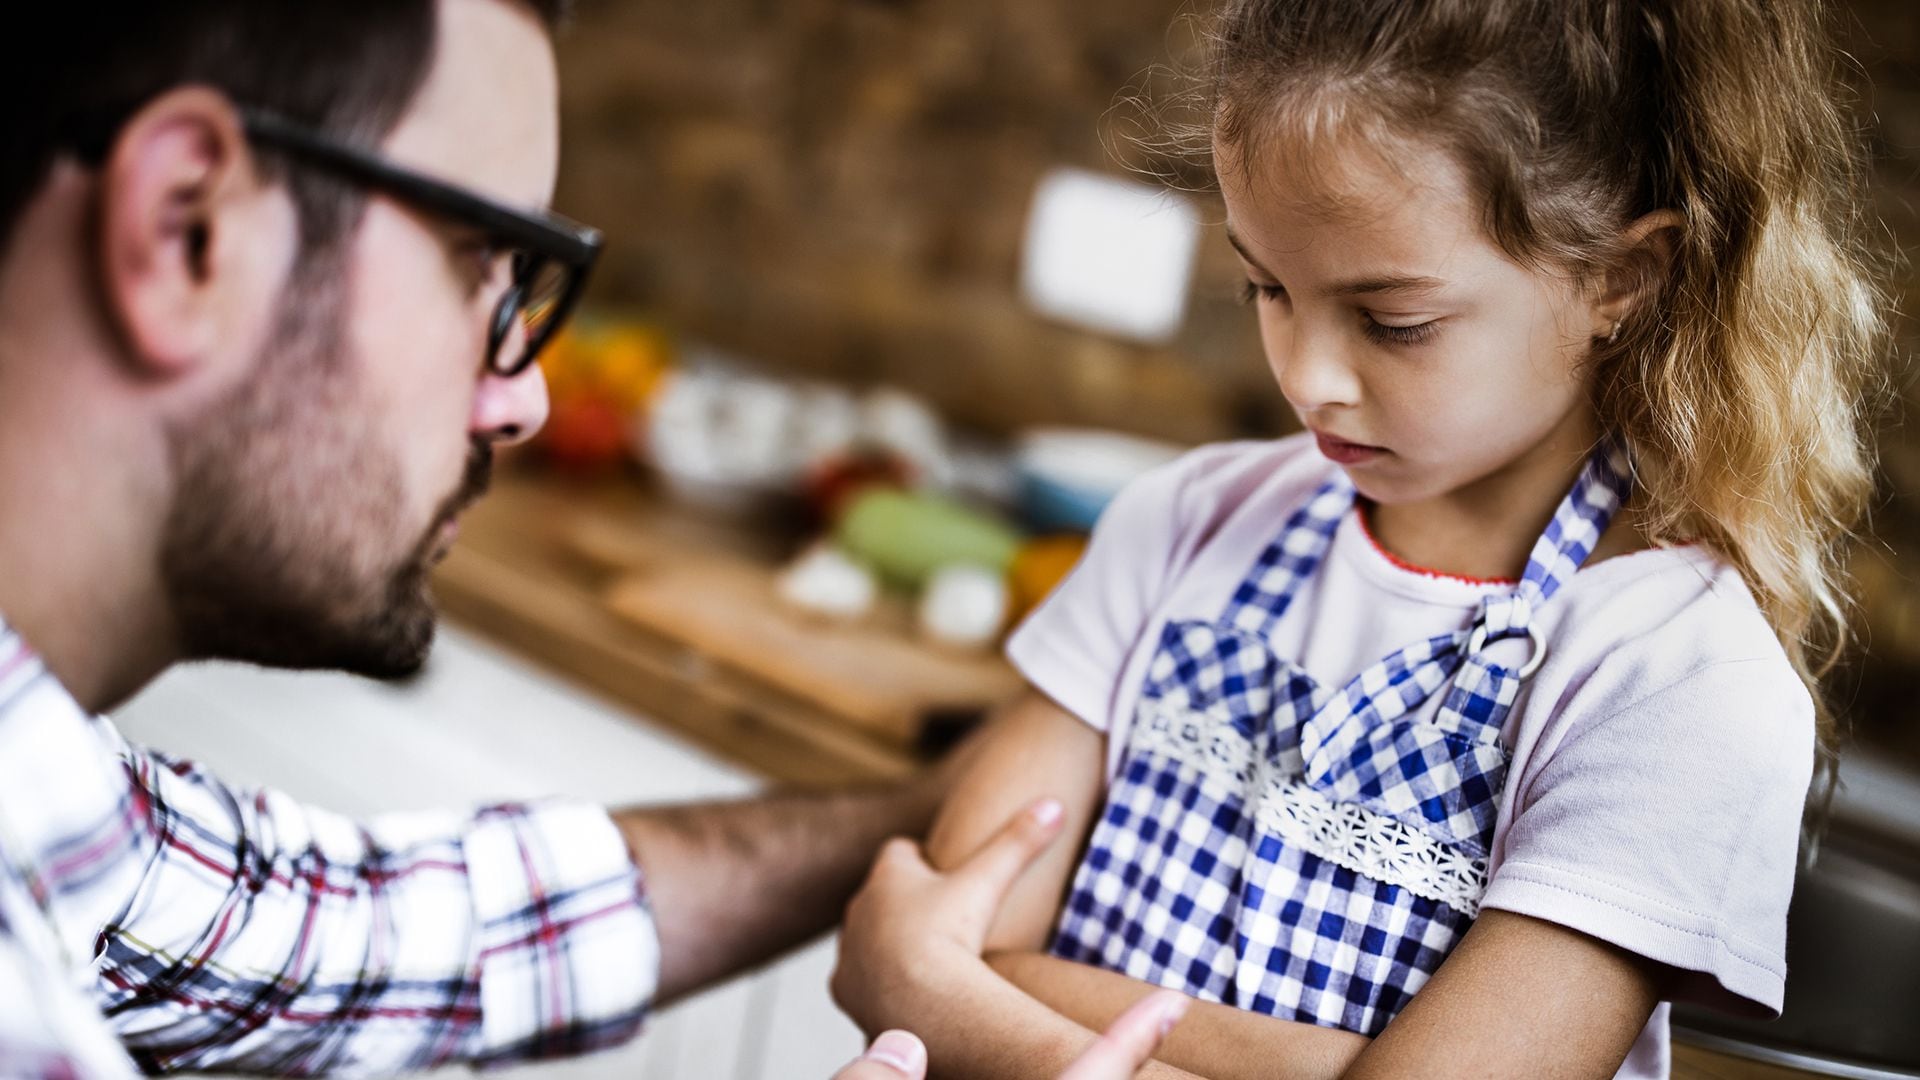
column 1576, row 528
column 1577, row 524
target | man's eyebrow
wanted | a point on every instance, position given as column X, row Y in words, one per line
column 1367, row 286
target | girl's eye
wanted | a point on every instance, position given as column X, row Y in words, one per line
column 1253, row 291
column 1385, row 334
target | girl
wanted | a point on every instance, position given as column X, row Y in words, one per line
column 1461, row 732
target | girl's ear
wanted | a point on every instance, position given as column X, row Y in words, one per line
column 1647, row 248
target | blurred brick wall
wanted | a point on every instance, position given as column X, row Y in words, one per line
column 1883, row 36
column 838, row 187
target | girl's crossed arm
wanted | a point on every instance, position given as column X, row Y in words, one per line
column 1519, row 997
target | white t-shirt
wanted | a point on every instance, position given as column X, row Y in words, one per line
column 1661, row 753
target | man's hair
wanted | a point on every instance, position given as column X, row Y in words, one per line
column 348, row 68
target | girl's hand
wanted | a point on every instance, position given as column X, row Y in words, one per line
column 913, row 930
column 1127, row 1045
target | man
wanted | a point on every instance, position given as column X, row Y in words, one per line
column 271, row 284
column 271, row 289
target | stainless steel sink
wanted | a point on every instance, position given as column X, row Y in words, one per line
column 1853, row 943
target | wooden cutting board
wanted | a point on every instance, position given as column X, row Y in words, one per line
column 724, row 607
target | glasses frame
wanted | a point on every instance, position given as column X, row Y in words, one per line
column 534, row 237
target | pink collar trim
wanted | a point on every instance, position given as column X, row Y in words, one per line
column 1399, row 563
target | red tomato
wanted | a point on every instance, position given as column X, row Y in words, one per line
column 584, row 434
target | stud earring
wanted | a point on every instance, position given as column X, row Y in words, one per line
column 1615, row 335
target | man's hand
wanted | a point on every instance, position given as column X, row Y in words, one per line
column 895, row 1055
column 1127, row 1045
column 734, row 884
column 1130, row 1042
column 911, row 927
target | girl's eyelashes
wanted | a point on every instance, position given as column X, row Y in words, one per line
column 1385, row 334
column 1253, row 291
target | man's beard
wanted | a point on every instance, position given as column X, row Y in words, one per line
column 287, row 502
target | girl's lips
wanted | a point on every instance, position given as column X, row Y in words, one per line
column 1342, row 452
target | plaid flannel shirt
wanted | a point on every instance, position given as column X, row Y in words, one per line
column 151, row 914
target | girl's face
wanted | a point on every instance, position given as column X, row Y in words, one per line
column 1426, row 362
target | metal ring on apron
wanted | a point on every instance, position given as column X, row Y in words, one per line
column 1479, row 641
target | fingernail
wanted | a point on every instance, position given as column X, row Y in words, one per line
column 1047, row 812
column 900, row 1050
column 1172, row 1013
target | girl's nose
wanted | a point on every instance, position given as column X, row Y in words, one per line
column 1314, row 371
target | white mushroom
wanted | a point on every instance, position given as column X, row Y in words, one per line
column 827, row 582
column 964, row 606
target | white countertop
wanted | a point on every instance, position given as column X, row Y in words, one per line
column 482, row 726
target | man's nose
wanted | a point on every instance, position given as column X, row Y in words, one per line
column 509, row 410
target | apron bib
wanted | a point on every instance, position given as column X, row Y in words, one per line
column 1303, row 851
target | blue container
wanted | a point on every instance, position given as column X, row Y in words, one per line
column 1050, row 506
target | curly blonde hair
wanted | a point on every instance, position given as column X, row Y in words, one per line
column 1743, row 385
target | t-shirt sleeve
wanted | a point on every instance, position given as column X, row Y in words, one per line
column 1075, row 645
column 1670, row 827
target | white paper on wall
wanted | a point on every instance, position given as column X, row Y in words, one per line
column 1110, row 254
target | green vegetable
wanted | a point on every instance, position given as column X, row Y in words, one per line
column 907, row 536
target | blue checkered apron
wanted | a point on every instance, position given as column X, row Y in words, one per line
column 1300, row 851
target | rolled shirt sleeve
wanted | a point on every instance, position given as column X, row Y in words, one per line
column 267, row 936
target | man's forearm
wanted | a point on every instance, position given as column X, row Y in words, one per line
column 1217, row 1041
column 735, row 884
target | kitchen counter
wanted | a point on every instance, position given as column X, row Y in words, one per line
column 522, row 576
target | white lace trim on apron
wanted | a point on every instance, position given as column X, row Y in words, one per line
column 1364, row 841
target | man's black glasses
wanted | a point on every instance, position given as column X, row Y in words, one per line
column 550, row 255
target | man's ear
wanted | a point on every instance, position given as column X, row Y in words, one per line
column 176, row 178
column 1647, row 248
